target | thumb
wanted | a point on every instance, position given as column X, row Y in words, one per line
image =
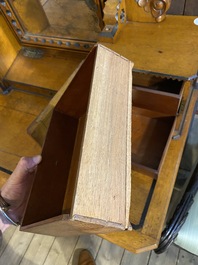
column 25, row 165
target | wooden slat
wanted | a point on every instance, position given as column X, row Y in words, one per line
column 49, row 72
column 61, row 251
column 37, row 250
column 32, row 15
column 167, row 258
column 141, row 185
column 7, row 235
column 16, row 248
column 187, row 258
column 140, row 259
column 153, row 226
column 17, row 111
column 109, row 254
column 191, row 8
column 105, row 166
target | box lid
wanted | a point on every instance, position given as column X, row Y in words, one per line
column 104, row 177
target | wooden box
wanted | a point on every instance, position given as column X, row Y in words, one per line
column 83, row 183
column 156, row 102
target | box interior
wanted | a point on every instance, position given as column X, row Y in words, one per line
column 155, row 105
column 61, row 145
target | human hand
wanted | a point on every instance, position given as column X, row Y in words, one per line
column 17, row 187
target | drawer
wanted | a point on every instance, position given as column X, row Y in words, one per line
column 155, row 106
column 83, row 184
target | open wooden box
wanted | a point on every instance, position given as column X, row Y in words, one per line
column 156, row 102
column 83, row 184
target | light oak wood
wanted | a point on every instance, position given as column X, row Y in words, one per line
column 17, row 111
column 9, row 47
column 158, row 47
column 147, row 238
column 32, row 15
column 45, row 75
column 109, row 110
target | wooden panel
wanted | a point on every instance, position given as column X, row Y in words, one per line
column 9, row 47
column 157, row 101
column 153, row 226
column 136, row 13
column 38, row 128
column 140, row 187
column 158, row 46
column 63, row 226
column 106, row 154
column 191, row 8
column 151, row 136
column 17, row 111
column 32, row 15
column 49, row 72
column 13, row 126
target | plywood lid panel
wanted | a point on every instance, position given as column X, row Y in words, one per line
column 104, row 177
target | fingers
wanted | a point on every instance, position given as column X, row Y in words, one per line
column 25, row 166
column 20, row 180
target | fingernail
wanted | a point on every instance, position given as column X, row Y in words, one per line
column 37, row 159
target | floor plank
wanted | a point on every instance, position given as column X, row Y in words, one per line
column 167, row 258
column 15, row 250
column 130, row 258
column 6, row 238
column 61, row 251
column 109, row 254
column 187, row 258
column 38, row 250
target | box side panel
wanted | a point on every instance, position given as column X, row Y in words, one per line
column 104, row 171
column 47, row 194
column 62, row 226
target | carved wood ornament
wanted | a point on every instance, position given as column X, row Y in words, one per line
column 157, row 8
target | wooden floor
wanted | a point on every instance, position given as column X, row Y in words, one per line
column 31, row 249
